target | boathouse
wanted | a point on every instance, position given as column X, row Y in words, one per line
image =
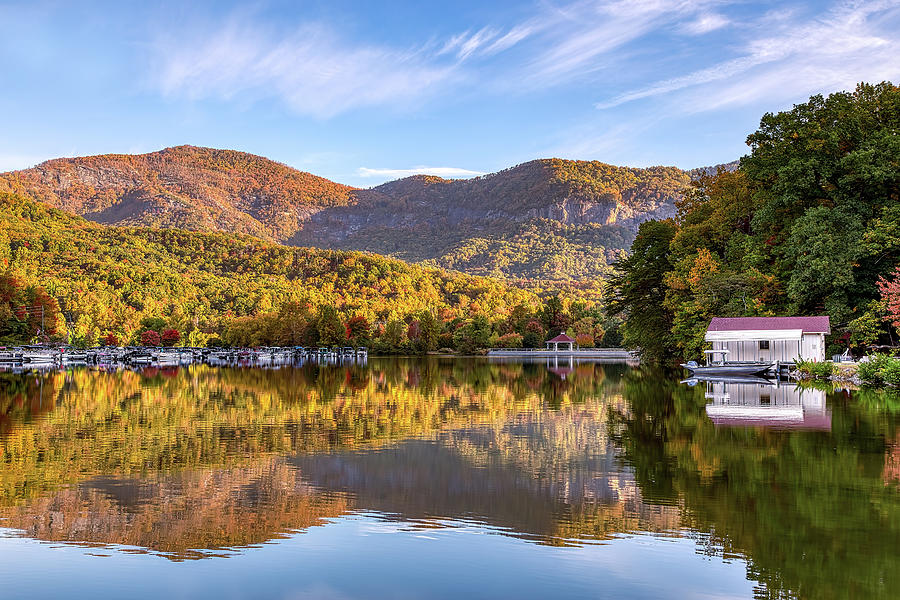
column 762, row 339
column 562, row 338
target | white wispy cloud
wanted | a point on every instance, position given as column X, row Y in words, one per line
column 312, row 70
column 854, row 41
column 511, row 38
column 448, row 172
column 315, row 71
column 705, row 23
column 581, row 37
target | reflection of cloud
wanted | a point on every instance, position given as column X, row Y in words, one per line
column 450, row 172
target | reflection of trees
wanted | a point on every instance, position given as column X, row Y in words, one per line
column 188, row 458
column 810, row 510
column 131, row 424
column 547, row 476
column 26, row 397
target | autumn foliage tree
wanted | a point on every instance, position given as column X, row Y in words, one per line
column 150, row 338
column 170, row 337
column 890, row 294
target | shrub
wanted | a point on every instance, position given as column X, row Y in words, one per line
column 890, row 372
column 584, row 340
column 150, row 338
column 510, row 340
column 818, row 370
column 873, row 370
column 170, row 337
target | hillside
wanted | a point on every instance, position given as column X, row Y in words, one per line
column 809, row 225
column 546, row 219
column 111, row 278
column 184, row 187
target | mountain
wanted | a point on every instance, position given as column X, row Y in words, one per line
column 548, row 219
column 185, row 187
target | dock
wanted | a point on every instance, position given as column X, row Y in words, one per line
column 601, row 353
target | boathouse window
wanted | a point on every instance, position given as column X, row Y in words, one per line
column 764, row 345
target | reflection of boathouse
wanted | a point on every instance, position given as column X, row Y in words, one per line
column 742, row 404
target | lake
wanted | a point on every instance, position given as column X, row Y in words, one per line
column 443, row 478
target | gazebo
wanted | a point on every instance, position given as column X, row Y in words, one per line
column 562, row 338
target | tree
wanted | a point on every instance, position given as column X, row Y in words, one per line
column 472, row 336
column 553, row 314
column 111, row 339
column 295, row 325
column 392, row 338
column 358, row 330
column 170, row 337
column 156, row 324
column 331, row 330
column 150, row 338
column 890, row 297
column 534, row 335
column 637, row 291
column 429, row 332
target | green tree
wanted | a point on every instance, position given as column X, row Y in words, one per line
column 474, row 335
column 637, row 291
column 331, row 330
column 429, row 332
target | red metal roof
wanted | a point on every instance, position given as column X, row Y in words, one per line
column 562, row 338
column 807, row 324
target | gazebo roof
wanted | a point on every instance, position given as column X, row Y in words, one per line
column 562, row 338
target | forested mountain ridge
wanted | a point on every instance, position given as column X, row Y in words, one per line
column 545, row 219
column 112, row 279
column 185, row 187
column 549, row 219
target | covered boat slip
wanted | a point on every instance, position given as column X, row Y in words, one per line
column 769, row 339
column 759, row 346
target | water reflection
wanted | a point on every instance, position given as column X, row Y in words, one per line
column 765, row 403
column 197, row 462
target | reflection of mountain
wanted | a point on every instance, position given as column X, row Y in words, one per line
column 785, row 406
column 554, row 478
column 204, row 460
column 190, row 515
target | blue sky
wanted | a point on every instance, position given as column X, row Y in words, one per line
column 365, row 91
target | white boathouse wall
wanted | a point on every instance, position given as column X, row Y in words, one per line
column 784, row 345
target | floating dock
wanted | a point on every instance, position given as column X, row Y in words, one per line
column 603, row 353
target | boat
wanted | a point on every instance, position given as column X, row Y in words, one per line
column 724, row 368
column 10, row 356
column 37, row 355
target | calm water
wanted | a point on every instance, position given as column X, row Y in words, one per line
column 443, row 479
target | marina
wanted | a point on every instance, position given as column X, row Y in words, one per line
column 36, row 357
